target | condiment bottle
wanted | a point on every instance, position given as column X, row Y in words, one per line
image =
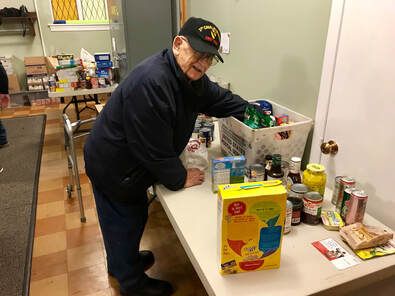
column 268, row 165
column 314, row 177
column 294, row 176
column 275, row 172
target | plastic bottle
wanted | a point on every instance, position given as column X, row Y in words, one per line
column 294, row 176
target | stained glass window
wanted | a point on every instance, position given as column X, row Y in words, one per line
column 82, row 10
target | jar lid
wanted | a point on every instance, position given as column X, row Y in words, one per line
column 313, row 196
column 297, row 202
column 315, row 167
column 299, row 188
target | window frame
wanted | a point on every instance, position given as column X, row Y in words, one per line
column 92, row 26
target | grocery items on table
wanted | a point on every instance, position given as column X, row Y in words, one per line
column 87, row 72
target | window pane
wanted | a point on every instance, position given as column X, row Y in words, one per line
column 64, row 10
column 94, row 10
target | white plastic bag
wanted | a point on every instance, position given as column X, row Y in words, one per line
column 195, row 155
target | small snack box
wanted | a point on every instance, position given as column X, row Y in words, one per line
column 250, row 225
column 227, row 170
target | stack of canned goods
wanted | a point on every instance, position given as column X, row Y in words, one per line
column 204, row 128
column 350, row 202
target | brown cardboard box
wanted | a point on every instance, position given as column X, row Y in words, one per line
column 52, row 63
column 13, row 83
column 39, row 69
column 33, row 61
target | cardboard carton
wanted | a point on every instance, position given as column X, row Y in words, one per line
column 250, row 225
column 13, row 83
column 34, row 61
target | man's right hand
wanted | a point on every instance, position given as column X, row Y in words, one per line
column 194, row 177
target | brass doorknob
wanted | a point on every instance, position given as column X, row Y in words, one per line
column 329, row 147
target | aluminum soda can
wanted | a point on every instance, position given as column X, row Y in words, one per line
column 335, row 194
column 346, row 202
column 357, row 206
column 345, row 182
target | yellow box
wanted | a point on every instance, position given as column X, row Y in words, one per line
column 250, row 225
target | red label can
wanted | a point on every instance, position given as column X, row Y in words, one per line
column 357, row 206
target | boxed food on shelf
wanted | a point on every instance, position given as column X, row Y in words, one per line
column 102, row 56
column 13, row 83
column 250, row 225
column 36, row 70
column 34, row 61
column 240, row 139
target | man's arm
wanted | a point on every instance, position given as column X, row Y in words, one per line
column 221, row 102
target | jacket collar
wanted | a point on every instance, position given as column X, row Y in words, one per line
column 192, row 87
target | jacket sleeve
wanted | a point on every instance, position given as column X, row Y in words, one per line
column 148, row 119
column 221, row 102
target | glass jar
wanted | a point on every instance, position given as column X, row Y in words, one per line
column 314, row 177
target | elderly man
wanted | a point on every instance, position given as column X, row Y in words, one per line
column 138, row 137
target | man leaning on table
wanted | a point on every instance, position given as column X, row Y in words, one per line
column 138, row 137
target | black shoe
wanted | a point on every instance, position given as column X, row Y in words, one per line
column 147, row 259
column 150, row 287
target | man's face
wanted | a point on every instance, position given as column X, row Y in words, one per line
column 192, row 63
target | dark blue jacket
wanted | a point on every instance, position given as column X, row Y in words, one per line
column 144, row 127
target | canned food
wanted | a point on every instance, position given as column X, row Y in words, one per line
column 345, row 182
column 288, row 217
column 314, row 177
column 255, row 172
column 335, row 194
column 205, row 136
column 298, row 191
column 210, row 125
column 312, row 204
column 346, row 201
column 357, row 206
column 297, row 207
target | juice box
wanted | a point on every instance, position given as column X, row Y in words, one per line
column 250, row 225
column 227, row 170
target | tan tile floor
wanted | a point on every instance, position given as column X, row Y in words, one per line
column 68, row 256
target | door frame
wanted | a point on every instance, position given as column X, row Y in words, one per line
column 327, row 76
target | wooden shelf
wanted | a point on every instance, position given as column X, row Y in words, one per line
column 23, row 20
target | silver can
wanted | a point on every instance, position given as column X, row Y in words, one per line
column 336, row 190
column 298, row 191
column 255, row 172
column 345, row 182
column 357, row 207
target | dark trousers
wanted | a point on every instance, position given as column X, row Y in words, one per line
column 122, row 226
column 3, row 134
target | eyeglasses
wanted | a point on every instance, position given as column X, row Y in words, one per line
column 209, row 58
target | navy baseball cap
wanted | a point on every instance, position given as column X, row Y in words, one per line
column 203, row 36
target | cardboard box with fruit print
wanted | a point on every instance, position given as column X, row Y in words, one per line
column 250, row 225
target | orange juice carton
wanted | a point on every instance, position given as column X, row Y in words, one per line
column 250, row 225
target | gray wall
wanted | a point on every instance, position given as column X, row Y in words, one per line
column 276, row 47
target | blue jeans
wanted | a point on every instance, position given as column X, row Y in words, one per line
column 3, row 134
column 122, row 226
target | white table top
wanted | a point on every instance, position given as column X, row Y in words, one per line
column 304, row 270
column 82, row 92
